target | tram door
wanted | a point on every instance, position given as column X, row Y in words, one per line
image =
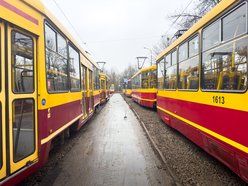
column 18, row 101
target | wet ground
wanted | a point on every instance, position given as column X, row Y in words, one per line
column 113, row 150
column 189, row 163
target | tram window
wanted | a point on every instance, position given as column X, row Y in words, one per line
column 74, row 69
column 168, row 60
column 225, row 68
column 174, row 58
column 62, row 46
column 145, row 79
column 23, row 128
column 83, row 80
column 90, row 80
column 210, row 36
column 153, row 80
column 183, row 51
column 170, row 71
column 129, row 85
column 56, row 61
column 234, row 23
column 136, row 83
column 50, row 38
column 171, row 77
column 96, row 79
column 160, row 74
column 22, row 63
column 194, row 46
column 188, row 74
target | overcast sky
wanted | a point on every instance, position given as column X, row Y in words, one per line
column 116, row 31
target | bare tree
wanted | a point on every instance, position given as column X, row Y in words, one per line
column 185, row 20
column 190, row 17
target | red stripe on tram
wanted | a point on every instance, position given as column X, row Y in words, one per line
column 19, row 12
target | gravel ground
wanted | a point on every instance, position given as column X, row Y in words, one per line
column 190, row 164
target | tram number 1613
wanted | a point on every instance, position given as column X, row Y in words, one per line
column 219, row 99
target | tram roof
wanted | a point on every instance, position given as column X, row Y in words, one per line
column 154, row 67
column 222, row 5
column 41, row 8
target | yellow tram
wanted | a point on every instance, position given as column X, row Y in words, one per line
column 144, row 89
column 47, row 86
column 202, row 84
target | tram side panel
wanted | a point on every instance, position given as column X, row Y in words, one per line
column 203, row 97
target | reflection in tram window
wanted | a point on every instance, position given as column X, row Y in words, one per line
column 56, row 61
column 225, row 67
column 23, row 128
column 22, row 63
column 234, row 23
column 160, row 72
column 210, row 36
column 74, row 69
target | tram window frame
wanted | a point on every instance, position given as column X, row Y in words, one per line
column 77, row 89
column 83, row 80
column 181, row 51
column 195, row 36
column 220, row 45
column 145, row 82
column 204, row 30
column 96, row 78
column 13, row 81
column 171, row 66
column 67, row 89
column 227, row 15
column 162, row 73
column 153, row 78
column 195, row 56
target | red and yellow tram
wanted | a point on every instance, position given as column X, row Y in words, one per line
column 128, row 90
column 112, row 89
column 44, row 74
column 144, row 89
column 105, row 93
column 202, row 84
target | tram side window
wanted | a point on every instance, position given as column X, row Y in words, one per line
column 83, row 80
column 171, row 71
column 234, row 24
column 136, row 82
column 188, row 77
column 145, row 79
column 194, row 46
column 22, row 63
column 90, row 80
column 129, row 85
column 183, row 52
column 153, row 79
column 74, row 69
column 56, row 61
column 96, row 79
column 225, row 68
column 160, row 74
column 211, row 36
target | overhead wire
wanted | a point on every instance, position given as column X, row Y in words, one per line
column 174, row 22
column 74, row 29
